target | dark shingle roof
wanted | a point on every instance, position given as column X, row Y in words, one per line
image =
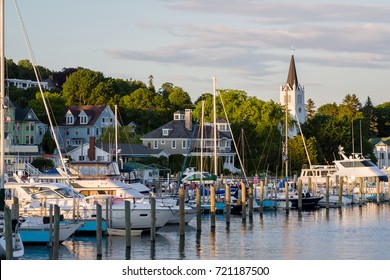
column 130, row 149
column 93, row 112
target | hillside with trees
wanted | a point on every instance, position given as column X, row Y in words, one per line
column 255, row 124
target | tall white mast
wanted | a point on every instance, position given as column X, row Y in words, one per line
column 116, row 133
column 2, row 95
column 215, row 129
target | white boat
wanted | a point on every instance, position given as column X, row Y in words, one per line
column 163, row 200
column 99, row 181
column 140, row 212
column 318, row 174
column 122, row 232
column 35, row 200
column 356, row 166
column 17, row 244
column 38, row 230
column 334, row 201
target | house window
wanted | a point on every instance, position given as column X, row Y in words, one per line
column 88, row 130
column 177, row 117
column 165, row 132
column 184, row 144
column 83, row 120
column 173, row 144
column 162, row 142
column 32, row 126
column 32, row 140
column 27, row 139
column 155, row 144
column 77, row 132
column 69, row 119
column 97, row 131
column 81, row 158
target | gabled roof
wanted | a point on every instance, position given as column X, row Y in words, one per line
column 177, row 130
column 93, row 112
column 22, row 114
column 377, row 140
column 292, row 77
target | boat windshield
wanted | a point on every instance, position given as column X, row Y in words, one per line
column 351, row 164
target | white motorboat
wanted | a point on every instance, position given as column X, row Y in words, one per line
column 99, row 181
column 357, row 166
column 17, row 244
column 39, row 230
column 35, row 199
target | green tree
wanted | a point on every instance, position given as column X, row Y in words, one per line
column 87, row 87
column 382, row 112
column 331, row 110
column 368, row 113
column 310, row 108
column 42, row 164
column 151, row 85
column 48, row 144
column 350, row 105
column 56, row 103
column 179, row 99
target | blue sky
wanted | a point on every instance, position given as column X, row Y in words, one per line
column 341, row 47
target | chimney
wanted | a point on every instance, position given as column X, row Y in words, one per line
column 91, row 150
column 188, row 119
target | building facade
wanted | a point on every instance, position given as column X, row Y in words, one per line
column 382, row 151
column 181, row 136
column 80, row 123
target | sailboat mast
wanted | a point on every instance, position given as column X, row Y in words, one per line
column 2, row 95
column 116, row 133
column 201, row 144
column 286, row 126
column 215, row 129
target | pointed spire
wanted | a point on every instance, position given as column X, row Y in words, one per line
column 292, row 78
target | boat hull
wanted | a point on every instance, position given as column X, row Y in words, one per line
column 33, row 230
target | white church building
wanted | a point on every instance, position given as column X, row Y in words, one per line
column 293, row 94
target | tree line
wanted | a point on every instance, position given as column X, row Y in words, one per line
column 255, row 124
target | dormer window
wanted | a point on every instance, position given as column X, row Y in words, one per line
column 165, row 132
column 69, row 119
column 83, row 119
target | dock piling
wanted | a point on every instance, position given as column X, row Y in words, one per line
column 128, row 223
column 98, row 231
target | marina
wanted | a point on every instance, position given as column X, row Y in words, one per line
column 347, row 233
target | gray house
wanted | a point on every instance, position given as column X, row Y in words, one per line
column 180, row 136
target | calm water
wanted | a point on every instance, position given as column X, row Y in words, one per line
column 350, row 233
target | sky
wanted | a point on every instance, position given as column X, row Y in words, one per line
column 340, row 46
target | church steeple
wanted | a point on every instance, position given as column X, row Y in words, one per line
column 292, row 78
column 293, row 94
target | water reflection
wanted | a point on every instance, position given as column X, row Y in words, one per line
column 346, row 233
